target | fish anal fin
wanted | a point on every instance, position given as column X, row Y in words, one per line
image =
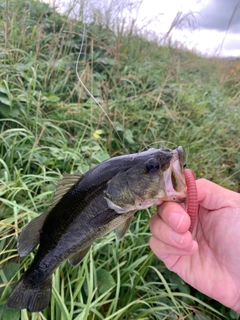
column 29, row 237
column 64, row 185
column 78, row 256
column 122, row 229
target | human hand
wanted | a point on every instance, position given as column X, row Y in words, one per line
column 208, row 259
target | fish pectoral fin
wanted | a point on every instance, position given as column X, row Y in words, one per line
column 123, row 228
column 29, row 237
column 78, row 256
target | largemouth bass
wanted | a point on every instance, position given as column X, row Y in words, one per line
column 88, row 206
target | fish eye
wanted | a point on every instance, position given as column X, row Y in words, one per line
column 152, row 165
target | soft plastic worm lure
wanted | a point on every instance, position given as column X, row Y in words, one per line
column 192, row 201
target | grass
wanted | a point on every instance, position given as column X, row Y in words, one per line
column 158, row 96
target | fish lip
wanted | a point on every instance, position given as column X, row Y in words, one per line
column 175, row 185
column 180, row 154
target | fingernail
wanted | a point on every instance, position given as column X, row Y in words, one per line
column 177, row 237
column 175, row 220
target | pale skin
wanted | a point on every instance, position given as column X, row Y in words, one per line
column 208, row 259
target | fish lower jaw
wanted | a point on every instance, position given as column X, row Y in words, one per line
column 144, row 204
column 175, row 186
column 174, row 196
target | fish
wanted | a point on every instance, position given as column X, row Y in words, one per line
column 88, row 206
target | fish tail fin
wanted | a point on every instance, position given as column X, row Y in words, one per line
column 25, row 295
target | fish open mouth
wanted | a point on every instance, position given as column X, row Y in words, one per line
column 175, row 185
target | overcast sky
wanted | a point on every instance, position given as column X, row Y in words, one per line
column 221, row 15
column 209, row 27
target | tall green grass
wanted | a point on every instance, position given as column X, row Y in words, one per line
column 155, row 96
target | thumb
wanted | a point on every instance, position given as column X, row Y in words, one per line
column 212, row 196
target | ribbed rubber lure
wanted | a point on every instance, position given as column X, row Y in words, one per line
column 192, row 197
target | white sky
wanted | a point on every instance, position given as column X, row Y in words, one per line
column 161, row 13
column 210, row 42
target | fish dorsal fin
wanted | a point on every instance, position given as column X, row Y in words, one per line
column 78, row 256
column 123, row 228
column 29, row 237
column 64, row 185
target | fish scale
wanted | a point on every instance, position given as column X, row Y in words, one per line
column 87, row 207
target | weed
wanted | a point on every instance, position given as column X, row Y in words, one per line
column 49, row 125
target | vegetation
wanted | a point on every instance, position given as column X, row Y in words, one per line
column 155, row 96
